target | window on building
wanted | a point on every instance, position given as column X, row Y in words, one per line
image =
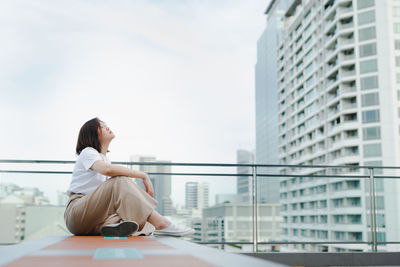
column 295, row 232
column 372, row 133
column 396, row 27
column 370, row 116
column 371, row 99
column 309, row 68
column 397, row 77
column 366, row 34
column 381, row 237
column 338, row 202
column 372, row 150
column 323, row 234
column 307, row 29
column 365, row 3
column 312, row 233
column 310, row 81
column 369, row 82
column 353, row 201
column 380, row 220
column 380, row 204
column 339, row 235
column 368, row 50
column 354, row 219
column 378, row 185
column 396, row 11
column 357, row 236
column 366, row 17
column 397, row 61
column 368, row 66
column 308, row 42
column 397, row 44
column 310, row 53
column 351, row 185
column 310, row 94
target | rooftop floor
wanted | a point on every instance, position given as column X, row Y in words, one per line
column 133, row 251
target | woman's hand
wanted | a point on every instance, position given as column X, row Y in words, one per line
column 148, row 185
column 116, row 170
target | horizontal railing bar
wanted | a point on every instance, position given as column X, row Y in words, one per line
column 215, row 174
column 37, row 161
column 149, row 173
column 294, row 242
column 314, row 176
column 199, row 174
column 36, row 172
column 205, row 164
column 327, row 176
column 282, row 243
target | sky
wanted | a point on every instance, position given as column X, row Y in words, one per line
column 173, row 79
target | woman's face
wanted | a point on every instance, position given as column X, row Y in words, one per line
column 105, row 134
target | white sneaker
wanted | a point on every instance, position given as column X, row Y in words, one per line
column 120, row 229
column 174, row 230
column 148, row 229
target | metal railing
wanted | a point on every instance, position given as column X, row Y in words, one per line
column 254, row 176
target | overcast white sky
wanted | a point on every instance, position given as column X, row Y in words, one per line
column 173, row 79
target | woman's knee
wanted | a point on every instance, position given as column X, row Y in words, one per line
column 119, row 179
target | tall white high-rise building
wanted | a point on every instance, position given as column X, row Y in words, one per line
column 161, row 182
column 338, row 80
column 196, row 195
column 266, row 83
column 191, row 195
column 244, row 184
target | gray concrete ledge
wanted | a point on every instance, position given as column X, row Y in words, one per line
column 209, row 255
column 332, row 259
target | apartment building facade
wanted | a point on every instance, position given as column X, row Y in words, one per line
column 196, row 195
column 233, row 222
column 266, row 97
column 338, row 100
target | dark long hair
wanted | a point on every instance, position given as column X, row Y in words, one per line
column 89, row 136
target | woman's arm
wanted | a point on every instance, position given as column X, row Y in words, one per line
column 108, row 169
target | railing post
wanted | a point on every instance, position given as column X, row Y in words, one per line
column 372, row 209
column 254, row 194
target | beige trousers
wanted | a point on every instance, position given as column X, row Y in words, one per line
column 115, row 199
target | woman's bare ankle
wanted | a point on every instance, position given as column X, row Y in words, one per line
column 163, row 225
column 159, row 221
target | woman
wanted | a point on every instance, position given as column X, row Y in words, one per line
column 103, row 198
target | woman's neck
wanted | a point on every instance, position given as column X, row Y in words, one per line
column 104, row 148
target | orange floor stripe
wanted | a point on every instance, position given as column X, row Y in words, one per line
column 87, row 261
column 93, row 242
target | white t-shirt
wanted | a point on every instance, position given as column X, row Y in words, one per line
column 84, row 180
